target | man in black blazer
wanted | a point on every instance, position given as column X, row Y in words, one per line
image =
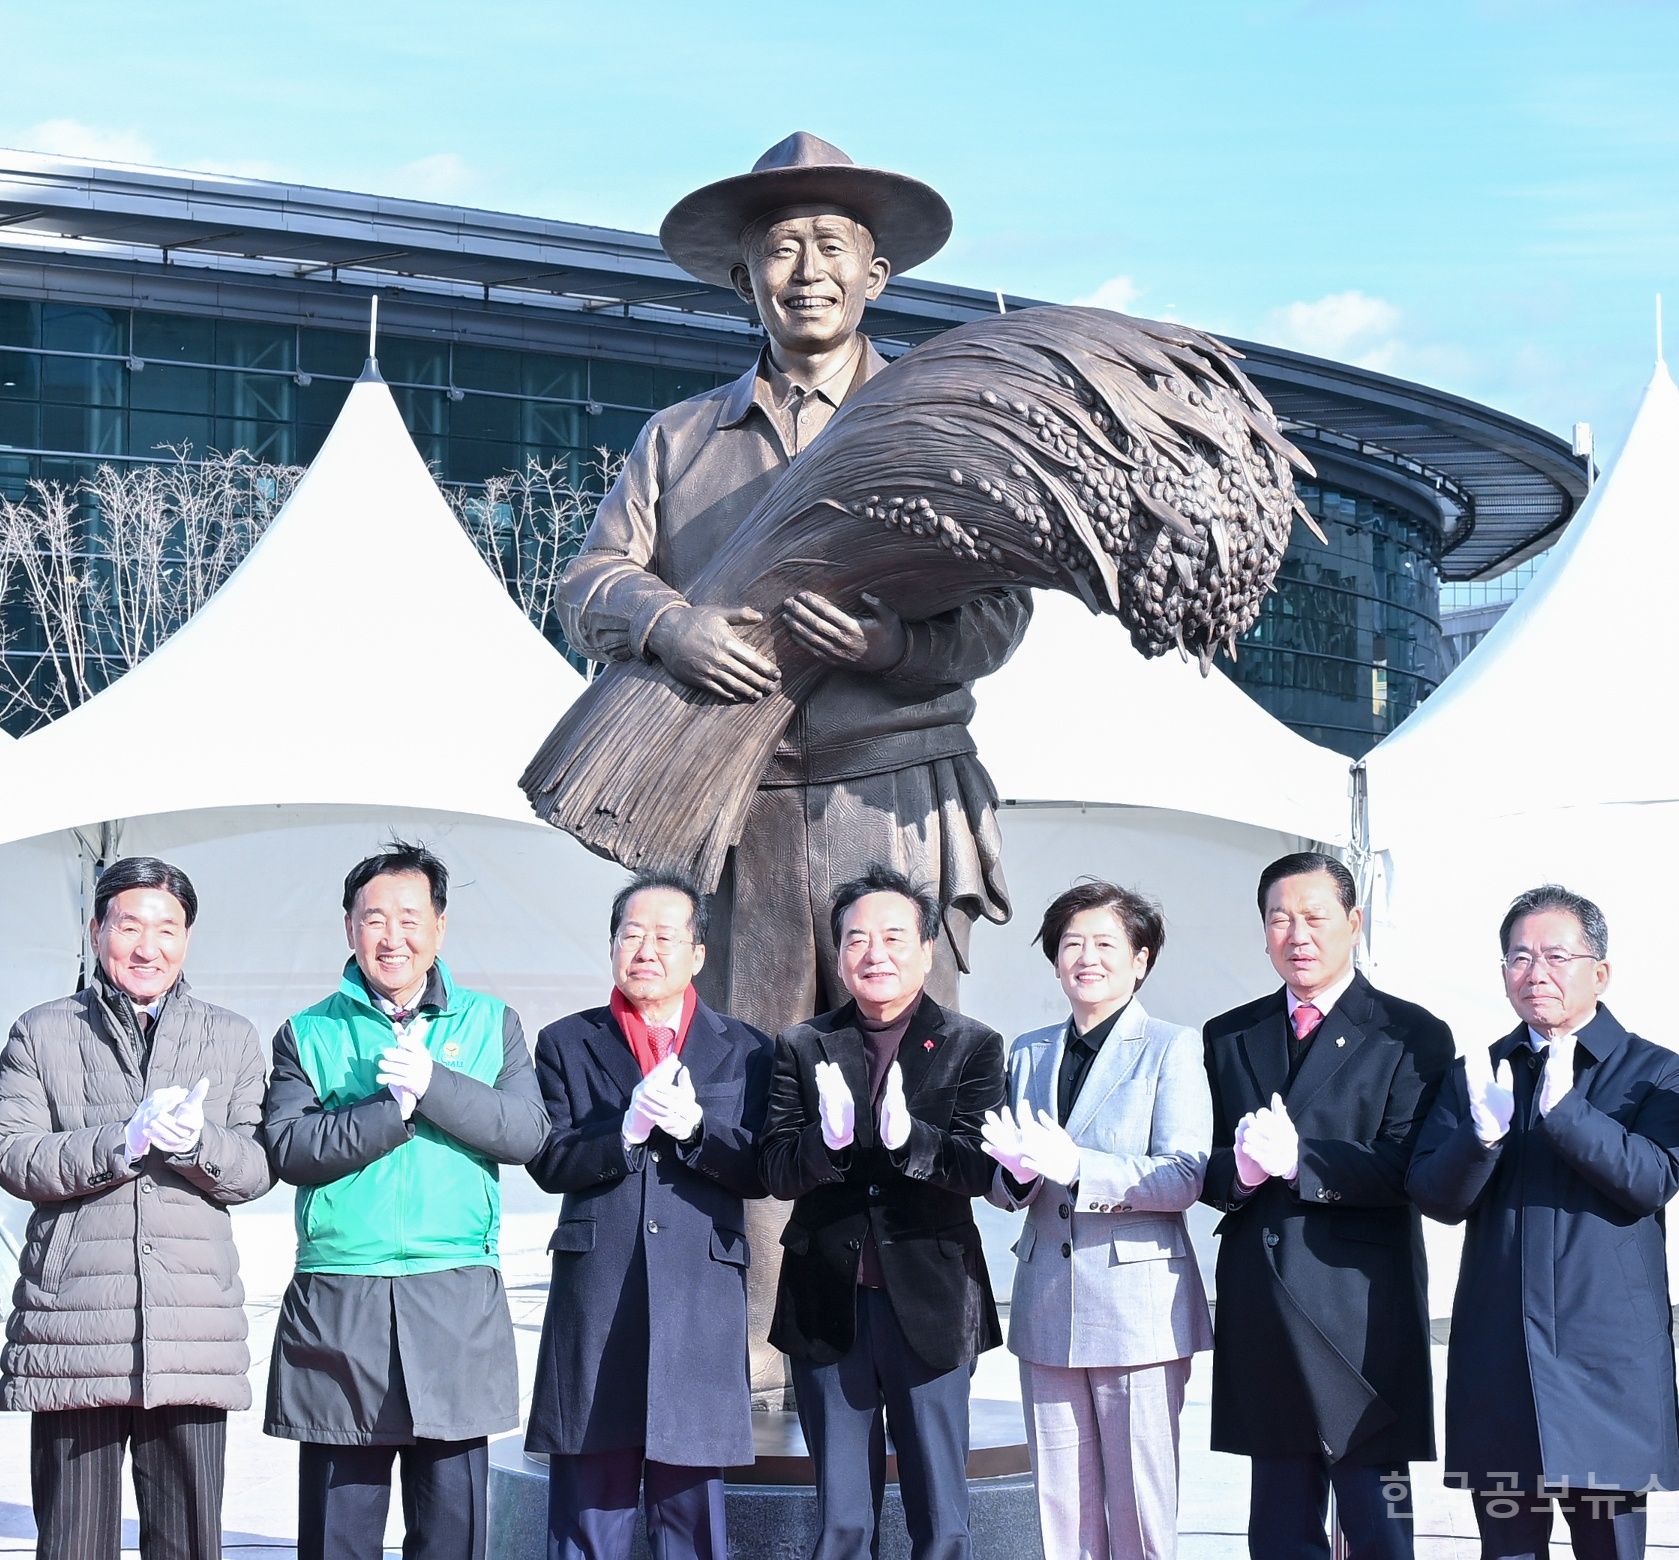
column 1558, row 1148
column 1320, row 1353
column 873, row 1133
column 654, row 1102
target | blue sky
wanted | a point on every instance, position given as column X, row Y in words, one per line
column 1483, row 196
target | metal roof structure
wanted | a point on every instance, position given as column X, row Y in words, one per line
column 1499, row 488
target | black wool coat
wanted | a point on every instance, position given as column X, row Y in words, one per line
column 1561, row 1324
column 918, row 1200
column 1321, row 1328
column 644, row 1339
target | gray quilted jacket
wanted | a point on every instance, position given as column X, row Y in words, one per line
column 129, row 1289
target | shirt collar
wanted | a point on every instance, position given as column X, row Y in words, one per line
column 1324, row 1001
column 1092, row 1038
column 753, row 387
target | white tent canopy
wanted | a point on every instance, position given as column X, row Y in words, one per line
column 1077, row 715
column 361, row 653
column 1548, row 756
column 362, row 670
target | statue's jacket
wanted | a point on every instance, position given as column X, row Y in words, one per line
column 697, row 471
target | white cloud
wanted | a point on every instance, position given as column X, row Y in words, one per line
column 441, row 176
column 1351, row 327
column 1118, row 293
column 73, row 138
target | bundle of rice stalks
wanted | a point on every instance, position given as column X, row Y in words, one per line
column 1128, row 462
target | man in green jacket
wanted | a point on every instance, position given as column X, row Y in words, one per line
column 390, row 1106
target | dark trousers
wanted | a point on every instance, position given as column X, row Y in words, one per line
column 840, row 1412
column 592, row 1500
column 344, row 1496
column 1288, row 1506
column 1602, row 1524
column 75, row 1477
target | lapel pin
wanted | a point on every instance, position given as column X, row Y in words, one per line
column 1340, row 1040
column 926, row 1045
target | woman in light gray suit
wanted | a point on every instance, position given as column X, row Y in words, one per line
column 1105, row 1148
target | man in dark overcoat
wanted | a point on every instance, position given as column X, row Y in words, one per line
column 1320, row 1354
column 874, row 1134
column 654, row 1102
column 1557, row 1148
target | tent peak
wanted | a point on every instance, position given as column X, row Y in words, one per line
column 370, row 374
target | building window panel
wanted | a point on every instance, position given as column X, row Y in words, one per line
column 332, row 352
column 556, row 378
column 425, row 412
column 485, row 417
column 247, row 344
column 88, row 381
column 88, row 430
column 616, row 431
column 81, row 327
column 156, row 433
column 552, row 427
column 20, row 424
column 477, row 460
column 622, row 384
column 164, row 387
column 487, row 368
column 269, row 441
column 318, row 404
column 266, row 396
column 20, row 376
column 414, row 360
column 181, row 338
column 20, row 323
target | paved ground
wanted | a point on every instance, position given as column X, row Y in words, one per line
column 260, row 1511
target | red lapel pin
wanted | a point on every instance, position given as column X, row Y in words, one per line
column 926, row 1045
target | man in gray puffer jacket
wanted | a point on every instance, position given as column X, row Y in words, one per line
column 128, row 1116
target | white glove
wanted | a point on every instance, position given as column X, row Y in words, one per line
column 140, row 1133
column 675, row 1106
column 405, row 1069
column 649, row 1101
column 1249, row 1172
column 834, row 1101
column 177, row 1131
column 1558, row 1077
column 1273, row 1142
column 894, row 1110
column 1492, row 1099
column 1001, row 1138
column 1049, row 1151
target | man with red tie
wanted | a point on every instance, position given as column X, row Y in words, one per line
column 1320, row 1352
column 654, row 1104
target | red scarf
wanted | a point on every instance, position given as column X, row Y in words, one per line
column 635, row 1028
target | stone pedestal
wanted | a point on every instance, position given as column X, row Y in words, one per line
column 772, row 1506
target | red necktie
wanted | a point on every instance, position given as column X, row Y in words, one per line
column 661, row 1040
column 1306, row 1019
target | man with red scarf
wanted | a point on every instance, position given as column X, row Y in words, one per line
column 654, row 1103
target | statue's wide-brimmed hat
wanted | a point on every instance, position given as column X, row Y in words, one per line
column 909, row 220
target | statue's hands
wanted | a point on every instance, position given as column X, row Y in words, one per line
column 869, row 643
column 698, row 645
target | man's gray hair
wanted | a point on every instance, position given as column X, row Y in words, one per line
column 1553, row 896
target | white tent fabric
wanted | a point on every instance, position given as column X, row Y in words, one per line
column 1548, row 756
column 361, row 653
column 1078, row 716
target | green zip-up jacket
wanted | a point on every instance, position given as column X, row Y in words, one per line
column 385, row 1197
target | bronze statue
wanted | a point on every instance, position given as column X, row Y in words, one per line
column 792, row 641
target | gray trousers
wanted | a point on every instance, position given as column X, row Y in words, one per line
column 1104, row 1444
column 75, row 1476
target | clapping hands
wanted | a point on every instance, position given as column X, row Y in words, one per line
column 665, row 1098
column 171, row 1119
column 1267, row 1145
column 1492, row 1097
column 405, row 1069
column 1029, row 1146
column 835, row 1106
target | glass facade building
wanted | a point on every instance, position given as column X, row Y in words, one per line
column 143, row 310
column 1349, row 643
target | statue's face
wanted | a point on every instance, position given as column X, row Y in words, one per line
column 810, row 272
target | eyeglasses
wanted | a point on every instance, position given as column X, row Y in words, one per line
column 629, row 938
column 1521, row 961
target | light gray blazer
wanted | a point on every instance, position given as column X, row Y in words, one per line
column 1106, row 1276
